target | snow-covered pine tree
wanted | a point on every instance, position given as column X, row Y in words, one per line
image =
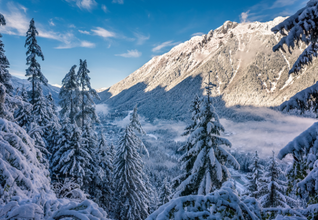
column 34, row 71
column 194, row 110
column 5, row 77
column 87, row 112
column 24, row 94
column 70, row 159
column 132, row 195
column 300, row 27
column 45, row 117
column 69, row 95
column 136, row 126
column 21, row 173
column 223, row 203
column 23, row 115
column 204, row 162
column 103, row 179
column 165, row 192
column 272, row 191
column 254, row 176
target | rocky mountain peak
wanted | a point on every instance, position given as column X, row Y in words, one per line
column 242, row 62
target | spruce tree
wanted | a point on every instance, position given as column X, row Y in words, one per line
column 133, row 198
column 254, row 176
column 136, row 126
column 5, row 77
column 104, row 192
column 70, row 158
column 204, row 162
column 165, row 192
column 34, row 72
column 87, row 112
column 272, row 192
column 194, row 110
column 69, row 95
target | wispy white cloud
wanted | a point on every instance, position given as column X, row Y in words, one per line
column 244, row 16
column 17, row 21
column 87, row 44
column 283, row 3
column 51, row 22
column 104, row 8
column 118, row 1
column 130, row 53
column 83, row 32
column 84, row 4
column 72, row 26
column 141, row 38
column 103, row 32
column 197, row 34
column 163, row 45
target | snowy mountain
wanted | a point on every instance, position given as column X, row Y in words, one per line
column 243, row 65
column 54, row 90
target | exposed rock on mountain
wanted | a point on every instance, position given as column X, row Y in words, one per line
column 243, row 65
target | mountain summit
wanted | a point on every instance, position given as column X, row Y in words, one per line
column 242, row 64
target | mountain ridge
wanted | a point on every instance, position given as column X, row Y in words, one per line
column 243, row 65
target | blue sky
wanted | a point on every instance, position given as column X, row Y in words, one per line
column 116, row 37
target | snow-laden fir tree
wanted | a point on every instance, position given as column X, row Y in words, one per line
column 34, row 73
column 204, row 163
column 254, row 176
column 300, row 27
column 24, row 94
column 5, row 77
column 21, row 172
column 223, row 203
column 136, row 126
column 69, row 95
column 43, row 112
column 70, row 158
column 272, row 190
column 132, row 195
column 87, row 112
column 165, row 192
column 194, row 110
column 103, row 177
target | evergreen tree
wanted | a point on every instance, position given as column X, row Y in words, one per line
column 87, row 113
column 136, row 126
column 165, row 192
column 133, row 198
column 5, row 77
column 254, row 176
column 272, row 191
column 24, row 94
column 104, row 192
column 44, row 115
column 194, row 110
column 34, row 71
column 69, row 95
column 23, row 115
column 204, row 162
column 70, row 158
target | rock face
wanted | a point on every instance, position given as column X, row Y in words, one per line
column 242, row 64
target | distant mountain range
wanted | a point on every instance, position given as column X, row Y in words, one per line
column 54, row 90
column 242, row 64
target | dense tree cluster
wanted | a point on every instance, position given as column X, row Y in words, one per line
column 56, row 165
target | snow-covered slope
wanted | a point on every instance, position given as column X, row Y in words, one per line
column 54, row 90
column 243, row 66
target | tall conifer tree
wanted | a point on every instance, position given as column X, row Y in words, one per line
column 34, row 72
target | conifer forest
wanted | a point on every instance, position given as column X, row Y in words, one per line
column 171, row 151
